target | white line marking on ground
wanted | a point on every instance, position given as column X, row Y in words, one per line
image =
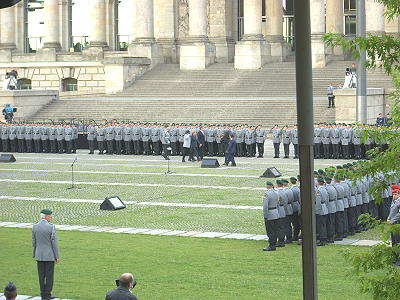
column 142, row 203
column 170, row 232
column 135, row 184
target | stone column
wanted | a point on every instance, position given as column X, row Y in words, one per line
column 51, row 42
column 252, row 52
column 7, row 33
column 335, row 24
column 280, row 50
column 97, row 15
column 392, row 27
column 197, row 52
column 144, row 44
column 375, row 20
column 317, row 9
column 164, row 28
column 221, row 29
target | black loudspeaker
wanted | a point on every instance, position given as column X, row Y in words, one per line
column 112, row 203
column 271, row 173
column 209, row 163
column 7, row 158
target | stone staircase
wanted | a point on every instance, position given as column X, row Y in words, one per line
column 219, row 94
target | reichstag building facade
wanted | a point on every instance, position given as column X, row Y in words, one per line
column 93, row 44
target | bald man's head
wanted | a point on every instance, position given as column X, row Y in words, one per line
column 126, row 280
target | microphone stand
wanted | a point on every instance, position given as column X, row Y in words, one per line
column 72, row 174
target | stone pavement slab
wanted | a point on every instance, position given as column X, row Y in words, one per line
column 258, row 237
column 119, row 230
column 138, row 230
column 190, row 233
column 346, row 242
column 157, row 231
column 237, row 236
column 211, row 234
column 18, row 225
column 173, row 232
column 366, row 243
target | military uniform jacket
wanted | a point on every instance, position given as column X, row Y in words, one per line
column 340, row 195
column 276, row 135
column 44, row 241
column 394, row 214
column 210, row 135
column 100, row 134
column 74, row 132
column 136, row 133
column 181, row 134
column 44, row 130
column 281, row 201
column 321, row 198
column 248, row 136
column 91, row 133
column 335, row 137
column 347, row 194
column 270, row 205
column 359, row 200
column 127, row 133
column 286, row 136
column 356, row 139
column 110, row 133
column 296, row 198
column 118, row 133
column 20, row 132
column 365, row 189
column 326, row 135
column 218, row 134
column 155, row 134
column 239, row 135
column 36, row 133
column 60, row 133
column 290, row 199
column 294, row 137
column 345, row 136
column 52, row 133
column 4, row 132
column 317, row 135
column 174, row 134
column 12, row 134
column 332, row 198
column 260, row 135
column 165, row 137
column 28, row 132
column 353, row 190
column 146, row 134
column 68, row 134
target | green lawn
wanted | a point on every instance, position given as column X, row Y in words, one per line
column 174, row 267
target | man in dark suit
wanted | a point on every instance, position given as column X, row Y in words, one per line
column 122, row 292
column 202, row 140
column 45, row 252
column 230, row 152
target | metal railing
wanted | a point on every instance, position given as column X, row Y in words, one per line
column 122, row 42
column 79, row 42
column 32, row 44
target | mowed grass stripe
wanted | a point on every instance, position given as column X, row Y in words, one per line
column 133, row 193
column 138, row 216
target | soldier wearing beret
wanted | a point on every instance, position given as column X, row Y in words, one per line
column 271, row 216
column 45, row 252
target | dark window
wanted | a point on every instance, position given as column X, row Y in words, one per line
column 69, row 84
column 24, row 84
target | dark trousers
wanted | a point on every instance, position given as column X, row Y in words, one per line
column 229, row 157
column 317, row 150
column 346, row 221
column 331, row 101
column 136, row 147
column 387, row 202
column 4, row 143
column 296, row 150
column 357, row 151
column 295, row 220
column 37, row 145
column 239, row 149
column 260, row 148
column 118, row 146
column 351, row 216
column 13, row 145
column 272, row 229
column 192, row 153
column 357, row 213
column 46, row 278
column 248, row 150
column 286, row 149
column 288, row 229
column 327, row 153
column 210, row 148
column 28, row 144
column 68, row 147
column 339, row 223
column 373, row 209
column 100, row 145
column 60, row 144
column 220, row 147
column 276, row 149
column 335, row 151
column 53, row 146
column 110, row 147
column 346, row 153
column 21, row 147
column 156, row 148
column 174, row 148
column 185, row 151
column 330, row 226
column 321, row 227
column 281, row 230
column 45, row 146
column 128, row 147
column 91, row 146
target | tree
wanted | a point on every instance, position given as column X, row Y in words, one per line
column 374, row 266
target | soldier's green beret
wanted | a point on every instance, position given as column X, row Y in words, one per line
column 339, row 167
column 328, row 179
column 284, row 181
column 315, row 173
column 270, row 183
column 46, row 212
column 320, row 171
column 345, row 166
column 320, row 179
column 279, row 181
column 293, row 179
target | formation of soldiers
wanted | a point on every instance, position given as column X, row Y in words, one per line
column 149, row 138
column 38, row 138
column 339, row 202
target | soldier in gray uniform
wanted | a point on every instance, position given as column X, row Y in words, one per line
column 335, row 140
column 260, row 139
column 287, row 227
column 296, row 208
column 155, row 139
column 276, row 139
column 317, row 141
column 44, row 137
column 289, row 210
column 21, row 138
column 339, row 216
column 174, row 134
column 100, row 134
column 91, row 137
column 109, row 132
column 118, row 138
column 60, row 136
column 271, row 216
column 321, row 211
column 331, row 205
column 181, row 135
column 136, row 137
column 146, row 130
column 346, row 204
column 37, row 138
column 52, row 139
column 127, row 137
column 345, row 141
column 239, row 137
column 210, row 139
column 45, row 252
column 68, row 139
column 12, row 137
column 294, row 139
column 286, row 132
column 356, row 140
column 326, row 139
column 165, row 142
column 4, row 137
column 28, row 137
column 75, row 135
column 282, row 217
